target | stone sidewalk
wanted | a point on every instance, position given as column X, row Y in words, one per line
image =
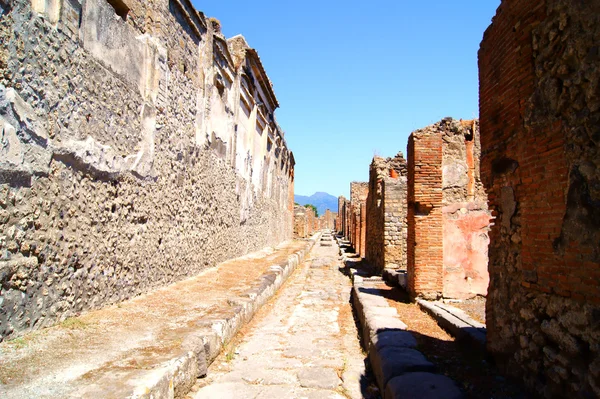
column 155, row 345
column 306, row 346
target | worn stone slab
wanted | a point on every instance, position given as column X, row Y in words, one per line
column 459, row 328
column 375, row 324
column 305, row 345
column 229, row 390
column 392, row 361
column 422, row 386
column 397, row 338
column 461, row 314
column 319, row 377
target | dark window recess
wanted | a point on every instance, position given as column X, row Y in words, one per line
column 120, row 7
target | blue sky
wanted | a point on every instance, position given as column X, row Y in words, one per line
column 354, row 78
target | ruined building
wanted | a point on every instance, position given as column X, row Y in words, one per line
column 305, row 222
column 540, row 134
column 448, row 217
column 357, row 215
column 386, row 229
column 139, row 146
column 340, row 220
column 329, row 220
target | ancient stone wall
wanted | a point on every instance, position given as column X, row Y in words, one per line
column 386, row 213
column 138, row 147
column 540, row 135
column 329, row 220
column 358, row 198
column 448, row 217
column 304, row 222
column 465, row 212
column 340, row 220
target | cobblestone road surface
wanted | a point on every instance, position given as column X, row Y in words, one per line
column 303, row 344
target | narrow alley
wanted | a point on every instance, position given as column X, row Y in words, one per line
column 302, row 344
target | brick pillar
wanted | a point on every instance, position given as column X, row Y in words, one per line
column 425, row 225
column 363, row 229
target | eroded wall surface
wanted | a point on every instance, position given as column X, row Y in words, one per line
column 540, row 134
column 386, row 231
column 358, row 198
column 304, row 222
column 340, row 220
column 465, row 212
column 129, row 158
column 448, row 217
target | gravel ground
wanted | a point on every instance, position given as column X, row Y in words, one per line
column 473, row 307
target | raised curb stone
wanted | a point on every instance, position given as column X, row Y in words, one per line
column 177, row 378
column 391, row 349
column 422, row 386
column 391, row 361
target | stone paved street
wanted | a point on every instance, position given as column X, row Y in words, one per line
column 302, row 345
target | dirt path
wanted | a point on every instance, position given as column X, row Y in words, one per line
column 303, row 344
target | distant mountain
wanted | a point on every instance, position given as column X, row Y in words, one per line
column 322, row 201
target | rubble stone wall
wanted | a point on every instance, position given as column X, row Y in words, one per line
column 304, row 222
column 540, row 135
column 118, row 170
column 386, row 213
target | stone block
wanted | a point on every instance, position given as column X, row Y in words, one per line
column 397, row 338
column 422, row 385
column 392, row 361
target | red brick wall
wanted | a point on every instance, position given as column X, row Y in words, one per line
column 539, row 135
column 363, row 229
column 425, row 248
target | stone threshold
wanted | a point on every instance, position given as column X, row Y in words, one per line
column 456, row 322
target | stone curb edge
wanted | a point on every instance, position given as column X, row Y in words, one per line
column 456, row 322
column 176, row 377
column 399, row 368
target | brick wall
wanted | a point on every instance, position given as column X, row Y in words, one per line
column 358, row 198
column 448, row 217
column 465, row 212
column 424, row 216
column 540, row 130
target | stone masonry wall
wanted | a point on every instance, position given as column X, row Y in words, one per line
column 304, row 222
column 540, row 135
column 386, row 213
column 425, row 252
column 340, row 220
column 358, row 197
column 448, row 217
column 465, row 212
column 118, row 170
